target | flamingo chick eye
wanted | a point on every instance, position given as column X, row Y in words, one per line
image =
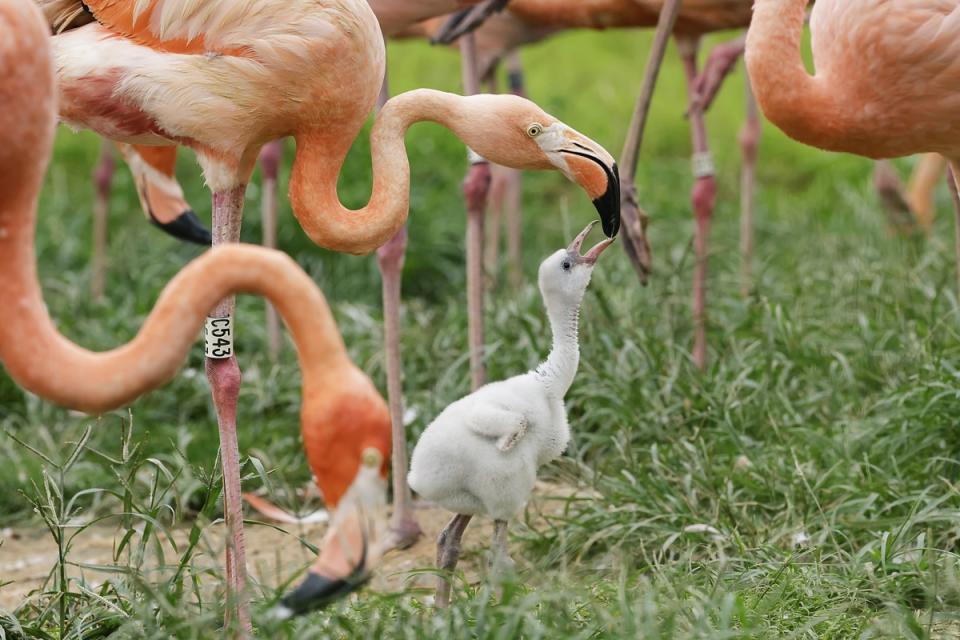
column 534, row 129
column 566, row 265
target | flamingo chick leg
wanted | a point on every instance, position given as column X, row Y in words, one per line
column 703, row 196
column 501, row 565
column 448, row 554
column 223, row 373
column 749, row 139
column 404, row 530
column 270, row 158
column 102, row 179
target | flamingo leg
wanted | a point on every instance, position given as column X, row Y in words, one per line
column 404, row 529
column 513, row 190
column 501, row 563
column 633, row 218
column 448, row 554
column 270, row 157
column 703, row 197
column 953, row 178
column 889, row 188
column 491, row 242
column 921, row 187
column 495, row 207
column 224, row 377
column 749, row 139
column 102, row 179
column 476, row 188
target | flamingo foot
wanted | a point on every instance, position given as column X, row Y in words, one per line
column 634, row 223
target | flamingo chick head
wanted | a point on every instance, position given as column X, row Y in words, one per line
column 346, row 433
column 564, row 275
column 517, row 133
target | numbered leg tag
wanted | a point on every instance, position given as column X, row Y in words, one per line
column 219, row 338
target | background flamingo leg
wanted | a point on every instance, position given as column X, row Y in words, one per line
column 270, row 157
column 476, row 188
column 953, row 180
column 404, row 529
column 102, row 180
column 633, row 218
column 703, row 197
column 920, row 190
column 749, row 140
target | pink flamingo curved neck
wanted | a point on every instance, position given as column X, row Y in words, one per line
column 321, row 153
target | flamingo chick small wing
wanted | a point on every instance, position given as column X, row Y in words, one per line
column 498, row 423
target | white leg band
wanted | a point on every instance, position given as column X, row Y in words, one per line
column 702, row 164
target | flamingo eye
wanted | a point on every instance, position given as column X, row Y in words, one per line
column 535, row 129
column 566, row 265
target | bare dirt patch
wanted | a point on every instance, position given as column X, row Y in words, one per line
column 274, row 552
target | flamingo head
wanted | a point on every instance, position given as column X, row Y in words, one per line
column 346, row 433
column 514, row 132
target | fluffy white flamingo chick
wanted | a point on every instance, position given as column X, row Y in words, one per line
column 481, row 454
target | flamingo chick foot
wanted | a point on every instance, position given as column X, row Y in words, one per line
column 448, row 554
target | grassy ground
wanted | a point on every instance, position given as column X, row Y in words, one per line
column 804, row 486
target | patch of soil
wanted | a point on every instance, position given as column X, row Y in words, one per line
column 274, row 553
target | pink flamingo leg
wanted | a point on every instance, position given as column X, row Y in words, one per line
column 476, row 188
column 270, row 157
column 404, row 530
column 513, row 190
column 634, row 219
column 703, row 197
column 749, row 139
column 504, row 198
column 953, row 179
column 102, row 179
column 224, row 377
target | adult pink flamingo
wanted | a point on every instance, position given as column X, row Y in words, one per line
column 886, row 75
column 344, row 419
column 226, row 78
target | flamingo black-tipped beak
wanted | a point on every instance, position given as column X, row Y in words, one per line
column 608, row 204
column 602, row 186
column 317, row 592
column 187, row 227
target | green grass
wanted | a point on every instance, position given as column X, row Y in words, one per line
column 819, row 448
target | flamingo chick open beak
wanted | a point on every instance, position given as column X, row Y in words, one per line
column 590, row 257
column 351, row 547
